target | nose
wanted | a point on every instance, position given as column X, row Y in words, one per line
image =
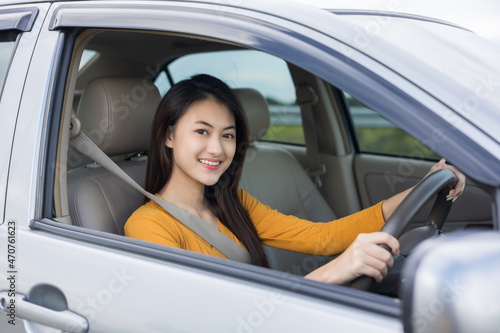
column 214, row 146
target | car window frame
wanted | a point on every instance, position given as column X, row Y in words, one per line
column 15, row 21
column 306, row 287
column 19, row 20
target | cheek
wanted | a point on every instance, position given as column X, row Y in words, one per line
column 230, row 150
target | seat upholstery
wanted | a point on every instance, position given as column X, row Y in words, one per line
column 116, row 113
column 275, row 177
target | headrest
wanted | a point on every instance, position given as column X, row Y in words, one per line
column 117, row 112
column 256, row 110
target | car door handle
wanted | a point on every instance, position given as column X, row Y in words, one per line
column 66, row 320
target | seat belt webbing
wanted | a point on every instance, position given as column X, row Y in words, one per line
column 221, row 242
column 307, row 99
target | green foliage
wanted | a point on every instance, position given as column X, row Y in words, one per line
column 285, row 133
column 390, row 141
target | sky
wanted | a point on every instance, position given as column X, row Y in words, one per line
column 480, row 16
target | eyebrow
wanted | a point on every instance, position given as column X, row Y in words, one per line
column 209, row 125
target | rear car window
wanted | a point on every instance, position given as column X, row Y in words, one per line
column 247, row 69
column 7, row 44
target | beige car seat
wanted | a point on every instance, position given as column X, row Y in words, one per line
column 116, row 113
column 274, row 176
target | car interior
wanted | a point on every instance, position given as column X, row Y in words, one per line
column 117, row 78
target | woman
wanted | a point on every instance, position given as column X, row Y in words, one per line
column 199, row 141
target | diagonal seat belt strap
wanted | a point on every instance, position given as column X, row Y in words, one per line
column 221, row 242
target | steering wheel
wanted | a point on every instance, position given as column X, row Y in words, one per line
column 438, row 182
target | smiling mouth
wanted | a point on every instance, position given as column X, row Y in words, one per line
column 210, row 163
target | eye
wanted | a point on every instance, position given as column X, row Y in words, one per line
column 202, row 132
column 228, row 136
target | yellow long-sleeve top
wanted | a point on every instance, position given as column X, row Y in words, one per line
column 152, row 223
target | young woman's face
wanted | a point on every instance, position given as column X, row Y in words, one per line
column 203, row 142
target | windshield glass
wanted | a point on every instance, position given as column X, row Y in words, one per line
column 455, row 65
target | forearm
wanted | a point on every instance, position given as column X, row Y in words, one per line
column 389, row 205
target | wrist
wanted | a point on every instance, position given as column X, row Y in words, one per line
column 327, row 274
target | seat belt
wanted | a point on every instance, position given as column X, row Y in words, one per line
column 307, row 99
column 217, row 239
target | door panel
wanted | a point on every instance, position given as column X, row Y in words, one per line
column 170, row 291
column 380, row 177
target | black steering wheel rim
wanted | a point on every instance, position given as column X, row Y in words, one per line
column 438, row 182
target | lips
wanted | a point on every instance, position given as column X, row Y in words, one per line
column 210, row 163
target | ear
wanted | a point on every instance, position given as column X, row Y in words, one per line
column 168, row 141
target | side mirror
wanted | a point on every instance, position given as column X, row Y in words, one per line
column 452, row 284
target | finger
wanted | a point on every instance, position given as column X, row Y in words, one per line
column 374, row 268
column 383, row 238
column 441, row 164
column 382, row 255
column 374, row 273
column 370, row 253
column 460, row 186
column 451, row 195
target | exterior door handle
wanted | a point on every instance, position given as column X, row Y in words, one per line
column 65, row 320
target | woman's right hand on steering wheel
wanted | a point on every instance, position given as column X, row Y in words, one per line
column 363, row 257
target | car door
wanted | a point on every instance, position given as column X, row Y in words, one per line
column 18, row 33
column 75, row 279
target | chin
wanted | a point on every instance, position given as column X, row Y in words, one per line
column 210, row 182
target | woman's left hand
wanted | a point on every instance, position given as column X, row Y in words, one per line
column 459, row 187
column 389, row 205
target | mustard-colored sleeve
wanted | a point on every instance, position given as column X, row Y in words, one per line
column 152, row 225
column 291, row 233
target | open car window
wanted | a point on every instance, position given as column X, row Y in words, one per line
column 240, row 67
column 248, row 69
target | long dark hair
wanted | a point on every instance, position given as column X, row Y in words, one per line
column 222, row 196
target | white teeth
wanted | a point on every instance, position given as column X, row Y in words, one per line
column 209, row 163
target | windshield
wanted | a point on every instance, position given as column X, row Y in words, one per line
column 455, row 65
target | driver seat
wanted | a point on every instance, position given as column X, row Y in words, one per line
column 275, row 177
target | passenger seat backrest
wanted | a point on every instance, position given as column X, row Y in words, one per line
column 116, row 113
column 275, row 177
